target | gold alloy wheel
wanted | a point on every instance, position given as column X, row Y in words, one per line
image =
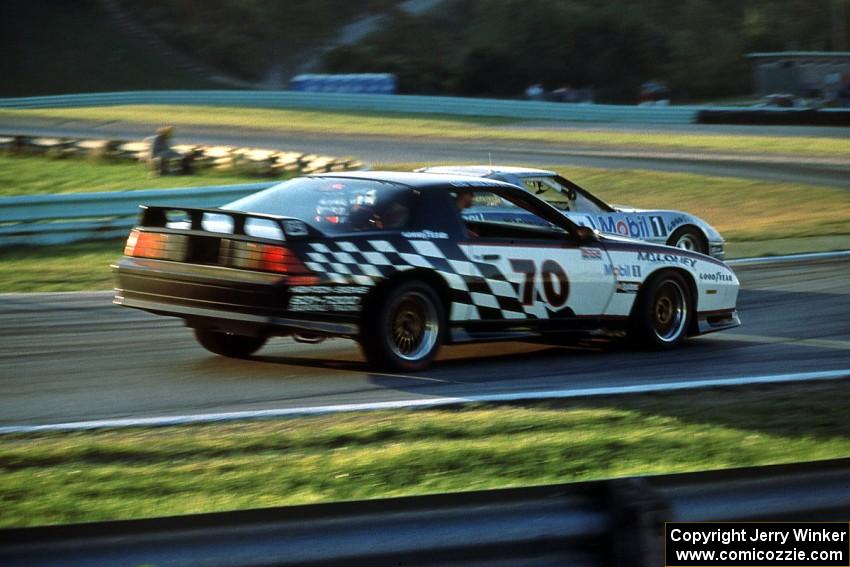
column 669, row 311
column 414, row 327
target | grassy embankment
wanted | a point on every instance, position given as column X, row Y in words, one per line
column 38, row 175
column 442, row 127
column 66, row 47
column 772, row 218
column 111, row 474
column 82, row 266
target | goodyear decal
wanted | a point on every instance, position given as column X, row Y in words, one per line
column 716, row 277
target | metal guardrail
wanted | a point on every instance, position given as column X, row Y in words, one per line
column 64, row 218
column 372, row 102
column 615, row 522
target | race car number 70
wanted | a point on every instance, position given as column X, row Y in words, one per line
column 556, row 286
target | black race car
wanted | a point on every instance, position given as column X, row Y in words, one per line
column 387, row 259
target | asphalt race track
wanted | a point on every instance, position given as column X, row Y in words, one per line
column 71, row 357
column 74, row 356
column 833, row 172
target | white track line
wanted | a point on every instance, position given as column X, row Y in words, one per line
column 790, row 258
column 427, row 403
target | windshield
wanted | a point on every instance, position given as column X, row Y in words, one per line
column 334, row 204
column 556, row 192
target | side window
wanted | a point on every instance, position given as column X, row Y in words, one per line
column 487, row 214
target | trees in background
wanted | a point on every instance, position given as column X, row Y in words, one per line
column 499, row 47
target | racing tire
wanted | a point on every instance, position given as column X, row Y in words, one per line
column 663, row 312
column 405, row 330
column 688, row 238
column 228, row 344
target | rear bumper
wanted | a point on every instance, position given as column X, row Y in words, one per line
column 226, row 299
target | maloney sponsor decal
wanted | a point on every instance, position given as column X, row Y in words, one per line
column 656, row 258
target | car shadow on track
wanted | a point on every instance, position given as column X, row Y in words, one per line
column 464, row 363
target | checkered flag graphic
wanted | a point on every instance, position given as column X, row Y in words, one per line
column 479, row 291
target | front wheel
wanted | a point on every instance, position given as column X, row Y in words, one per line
column 663, row 312
column 688, row 238
column 228, row 344
column 406, row 331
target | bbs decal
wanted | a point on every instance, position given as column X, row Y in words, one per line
column 551, row 278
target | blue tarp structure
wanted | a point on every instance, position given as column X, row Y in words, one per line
column 372, row 83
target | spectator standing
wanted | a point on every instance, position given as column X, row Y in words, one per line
column 162, row 154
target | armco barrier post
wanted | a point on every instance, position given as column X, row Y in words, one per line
column 637, row 515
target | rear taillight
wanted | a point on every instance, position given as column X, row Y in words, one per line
column 228, row 253
column 266, row 258
column 158, row 245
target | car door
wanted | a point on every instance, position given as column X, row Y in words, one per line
column 533, row 264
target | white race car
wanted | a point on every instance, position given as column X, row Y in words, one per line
column 391, row 260
column 673, row 228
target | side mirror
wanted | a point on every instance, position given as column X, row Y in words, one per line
column 586, row 234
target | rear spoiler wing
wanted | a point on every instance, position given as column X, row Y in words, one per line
column 155, row 216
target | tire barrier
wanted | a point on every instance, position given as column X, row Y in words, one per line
column 249, row 161
column 776, row 117
column 66, row 218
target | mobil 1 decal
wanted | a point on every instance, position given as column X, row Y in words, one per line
column 635, row 226
column 547, row 280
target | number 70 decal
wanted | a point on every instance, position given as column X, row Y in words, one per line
column 556, row 286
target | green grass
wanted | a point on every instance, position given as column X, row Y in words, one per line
column 50, row 478
column 780, row 246
column 39, row 175
column 83, row 266
column 741, row 209
column 757, row 217
column 441, row 127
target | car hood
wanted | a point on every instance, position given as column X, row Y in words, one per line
column 646, row 246
column 614, row 238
